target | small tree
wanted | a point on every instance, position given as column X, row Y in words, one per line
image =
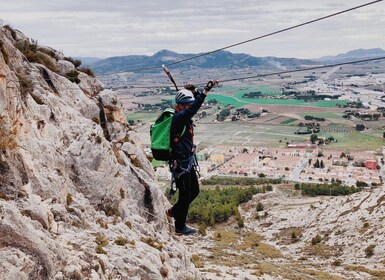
column 313, row 138
column 360, row 127
column 259, row 207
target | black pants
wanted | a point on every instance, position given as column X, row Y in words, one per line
column 188, row 187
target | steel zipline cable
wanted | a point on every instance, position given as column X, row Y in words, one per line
column 261, row 75
column 249, row 40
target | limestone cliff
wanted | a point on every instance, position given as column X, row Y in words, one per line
column 77, row 195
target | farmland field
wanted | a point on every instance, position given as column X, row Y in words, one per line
column 238, row 101
column 288, row 121
column 274, row 128
column 143, row 116
column 353, row 141
column 325, row 115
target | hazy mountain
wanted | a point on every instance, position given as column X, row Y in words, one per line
column 214, row 60
column 217, row 60
column 354, row 54
column 88, row 60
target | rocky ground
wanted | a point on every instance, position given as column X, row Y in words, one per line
column 297, row 237
column 78, row 199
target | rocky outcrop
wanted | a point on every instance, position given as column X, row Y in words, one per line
column 75, row 204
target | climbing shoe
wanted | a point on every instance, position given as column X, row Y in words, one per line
column 169, row 213
column 185, row 231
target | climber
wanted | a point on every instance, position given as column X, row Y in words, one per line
column 183, row 163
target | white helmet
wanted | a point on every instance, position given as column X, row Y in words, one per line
column 184, row 96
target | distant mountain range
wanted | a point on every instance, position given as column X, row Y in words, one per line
column 354, row 54
column 221, row 59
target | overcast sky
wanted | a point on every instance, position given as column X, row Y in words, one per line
column 101, row 28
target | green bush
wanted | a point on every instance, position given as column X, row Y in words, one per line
column 218, row 205
column 239, row 181
column 259, row 207
column 326, row 189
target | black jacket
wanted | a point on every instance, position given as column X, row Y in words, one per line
column 183, row 146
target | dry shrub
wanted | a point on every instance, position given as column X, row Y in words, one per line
column 75, row 62
column 73, row 76
column 88, row 71
column 30, row 49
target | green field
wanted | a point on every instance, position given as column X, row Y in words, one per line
column 323, row 115
column 264, row 89
column 289, row 121
column 143, row 116
column 238, row 101
column 246, row 134
column 353, row 141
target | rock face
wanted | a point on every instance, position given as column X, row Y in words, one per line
column 77, row 195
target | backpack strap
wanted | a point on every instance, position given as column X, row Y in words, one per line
column 177, row 138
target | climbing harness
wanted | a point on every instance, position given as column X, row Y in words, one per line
column 181, row 167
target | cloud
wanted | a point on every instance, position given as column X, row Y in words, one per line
column 120, row 27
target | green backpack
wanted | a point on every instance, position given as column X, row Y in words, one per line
column 160, row 135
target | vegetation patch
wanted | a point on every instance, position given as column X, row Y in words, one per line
column 152, row 242
column 219, row 204
column 327, row 189
column 321, row 250
column 101, row 240
column 289, row 235
column 196, row 259
column 121, row 241
column 88, row 71
column 73, row 76
column 30, row 49
column 380, row 274
column 239, row 181
column 100, row 250
column 26, row 86
column 75, row 62
column 288, row 121
column 240, row 248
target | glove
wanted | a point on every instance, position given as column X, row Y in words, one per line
column 190, row 87
column 210, row 85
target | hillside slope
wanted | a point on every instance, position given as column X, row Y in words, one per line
column 77, row 195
